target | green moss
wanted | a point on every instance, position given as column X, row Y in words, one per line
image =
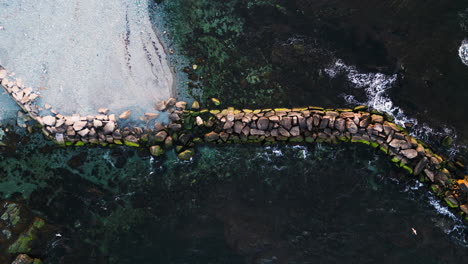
column 216, row 101
column 118, row 142
column 186, row 154
column 374, row 144
column 80, row 143
column 408, row 169
column 451, row 202
column 360, row 108
column 360, row 141
column 131, row 144
column 24, row 241
column 297, row 139
column 68, row 143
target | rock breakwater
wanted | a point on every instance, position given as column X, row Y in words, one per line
column 262, row 126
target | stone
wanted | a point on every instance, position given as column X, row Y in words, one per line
column 181, row 105
column 377, row 119
column 283, row 132
column 160, row 106
column 324, row 122
column 186, row 154
column 256, row 132
column 151, row 116
column 429, row 175
column 310, row 123
column 216, row 101
column 409, row 153
column 3, row 74
column 97, row 123
column 131, row 141
column 274, row 118
column 286, row 122
column 174, row 117
column 47, row 106
column 125, row 115
column 212, row 136
column 49, row 120
column 199, row 121
column 175, row 127
column 79, row 125
column 228, row 124
column 317, row 119
column 158, row 126
column 351, row 126
column 109, row 127
column 420, row 166
column 263, row 123
column 396, row 143
column 195, row 105
column 156, row 151
column 238, row 126
column 340, row 124
column 171, row 102
column 160, row 136
column 103, row 110
column 23, row 259
column 83, row 132
column 295, row 131
column 246, row 131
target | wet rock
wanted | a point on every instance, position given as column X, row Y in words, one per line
column 181, row 105
column 158, row 126
column 295, row 131
column 420, row 166
column 79, row 125
column 151, row 116
column 24, row 259
column 174, row 117
column 351, row 126
column 263, row 123
column 377, row 119
column 409, row 153
column 186, row 154
column 340, row 124
column 156, row 150
column 125, row 115
column 212, row 136
column 171, row 102
column 160, row 106
column 286, row 122
column 109, row 128
column 195, row 105
column 199, row 121
column 283, row 132
column 175, row 127
column 160, row 136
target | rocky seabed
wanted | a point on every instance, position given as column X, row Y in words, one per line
column 263, row 126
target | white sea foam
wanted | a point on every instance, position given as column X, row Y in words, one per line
column 89, row 53
column 463, row 52
column 376, row 86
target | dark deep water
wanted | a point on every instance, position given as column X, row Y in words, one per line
column 280, row 204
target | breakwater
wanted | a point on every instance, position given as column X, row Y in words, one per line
column 188, row 127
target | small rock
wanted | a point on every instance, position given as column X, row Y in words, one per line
column 49, row 120
column 351, row 126
column 186, row 154
column 409, row 153
column 47, row 106
column 174, row 117
column 171, row 102
column 238, row 126
column 3, row 74
column 295, row 131
column 199, row 121
column 212, row 136
column 109, row 127
column 151, row 116
column 125, row 115
column 195, row 105
column 103, row 110
column 158, row 126
column 263, row 123
column 216, row 101
column 160, row 136
column 23, row 259
column 181, row 105
column 283, row 132
column 156, row 150
column 97, row 123
column 83, row 132
column 160, row 106
column 377, row 119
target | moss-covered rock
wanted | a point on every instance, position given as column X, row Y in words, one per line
column 186, row 154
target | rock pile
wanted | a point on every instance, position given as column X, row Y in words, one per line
column 264, row 126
